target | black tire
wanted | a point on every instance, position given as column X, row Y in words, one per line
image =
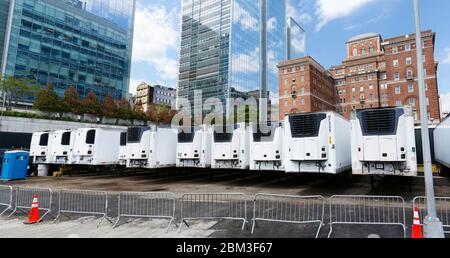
column 444, row 171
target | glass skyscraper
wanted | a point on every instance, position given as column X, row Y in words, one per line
column 82, row 43
column 230, row 48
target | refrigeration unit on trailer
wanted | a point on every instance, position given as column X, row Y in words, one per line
column 266, row 147
column 230, row 147
column 123, row 149
column 194, row 147
column 151, row 147
column 383, row 142
column 39, row 149
column 60, row 146
column 442, row 146
column 96, row 147
column 317, row 143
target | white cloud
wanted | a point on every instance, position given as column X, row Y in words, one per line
column 156, row 34
column 328, row 10
column 244, row 18
column 446, row 59
column 272, row 24
column 247, row 63
column 299, row 45
column 445, row 101
column 297, row 11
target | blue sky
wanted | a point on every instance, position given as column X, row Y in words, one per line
column 328, row 23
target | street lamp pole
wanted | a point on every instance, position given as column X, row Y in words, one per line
column 432, row 225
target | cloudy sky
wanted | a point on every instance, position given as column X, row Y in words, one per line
column 328, row 23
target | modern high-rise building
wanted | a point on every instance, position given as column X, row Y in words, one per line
column 81, row 43
column 230, row 48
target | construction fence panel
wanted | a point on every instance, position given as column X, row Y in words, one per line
column 156, row 205
column 212, row 206
column 442, row 208
column 83, row 202
column 25, row 196
column 289, row 209
column 367, row 210
column 6, row 195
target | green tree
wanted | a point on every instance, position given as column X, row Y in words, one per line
column 72, row 100
column 16, row 88
column 47, row 100
column 109, row 106
column 91, row 105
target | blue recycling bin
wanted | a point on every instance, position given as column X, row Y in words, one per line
column 15, row 165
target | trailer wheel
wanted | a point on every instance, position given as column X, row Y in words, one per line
column 444, row 171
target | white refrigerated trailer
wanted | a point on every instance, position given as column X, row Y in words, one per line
column 61, row 146
column 96, row 147
column 194, row 147
column 317, row 143
column 383, row 142
column 123, row 149
column 39, row 149
column 442, row 146
column 230, row 147
column 266, row 147
column 151, row 147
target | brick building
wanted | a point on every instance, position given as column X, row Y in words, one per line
column 305, row 86
column 383, row 73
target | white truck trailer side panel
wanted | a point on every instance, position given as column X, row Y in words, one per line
column 39, row 149
column 163, row 148
column 99, row 149
column 151, row 148
column 442, row 143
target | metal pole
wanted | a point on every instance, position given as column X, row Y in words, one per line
column 432, row 225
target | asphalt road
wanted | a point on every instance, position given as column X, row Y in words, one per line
column 180, row 182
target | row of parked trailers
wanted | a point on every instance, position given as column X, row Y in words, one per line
column 374, row 142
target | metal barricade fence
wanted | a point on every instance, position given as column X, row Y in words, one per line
column 289, row 209
column 83, row 202
column 25, row 196
column 367, row 210
column 6, row 195
column 442, row 208
column 147, row 205
column 212, row 206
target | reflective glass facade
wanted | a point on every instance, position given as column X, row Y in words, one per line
column 4, row 8
column 221, row 48
column 81, row 43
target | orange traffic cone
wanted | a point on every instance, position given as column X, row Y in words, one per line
column 33, row 217
column 417, row 228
